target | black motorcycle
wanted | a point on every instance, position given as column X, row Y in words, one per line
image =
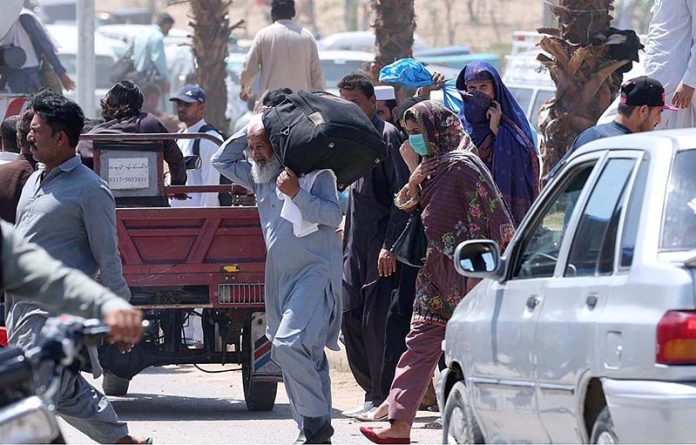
column 27, row 410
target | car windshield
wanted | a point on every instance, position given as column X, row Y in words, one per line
column 335, row 69
column 679, row 221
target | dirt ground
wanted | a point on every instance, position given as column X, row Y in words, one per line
column 180, row 404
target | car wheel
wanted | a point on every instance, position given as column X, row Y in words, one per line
column 458, row 422
column 603, row 429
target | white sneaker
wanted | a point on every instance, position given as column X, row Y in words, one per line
column 365, row 407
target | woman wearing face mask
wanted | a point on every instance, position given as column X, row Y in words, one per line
column 458, row 201
column 502, row 134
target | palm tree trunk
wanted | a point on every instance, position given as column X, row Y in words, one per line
column 585, row 75
column 211, row 32
column 394, row 27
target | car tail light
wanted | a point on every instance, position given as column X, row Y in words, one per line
column 676, row 338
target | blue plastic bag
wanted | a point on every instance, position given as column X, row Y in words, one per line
column 407, row 72
column 413, row 74
column 451, row 96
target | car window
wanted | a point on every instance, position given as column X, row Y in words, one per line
column 540, row 99
column 539, row 253
column 595, row 236
column 635, row 205
column 103, row 66
column 679, row 221
column 523, row 96
column 335, row 69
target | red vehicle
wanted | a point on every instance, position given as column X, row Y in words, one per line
column 183, row 263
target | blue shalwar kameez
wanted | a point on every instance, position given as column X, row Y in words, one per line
column 302, row 282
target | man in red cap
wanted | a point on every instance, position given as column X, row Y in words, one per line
column 640, row 109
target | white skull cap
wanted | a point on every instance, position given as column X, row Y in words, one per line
column 385, row 92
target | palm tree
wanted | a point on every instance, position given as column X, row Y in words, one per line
column 584, row 72
column 394, row 27
column 211, row 32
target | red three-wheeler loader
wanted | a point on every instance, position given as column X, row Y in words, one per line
column 184, row 264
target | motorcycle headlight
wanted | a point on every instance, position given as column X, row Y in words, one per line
column 28, row 421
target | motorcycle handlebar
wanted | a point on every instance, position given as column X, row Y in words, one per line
column 63, row 337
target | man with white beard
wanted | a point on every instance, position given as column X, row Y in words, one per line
column 303, row 270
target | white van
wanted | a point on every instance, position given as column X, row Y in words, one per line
column 526, row 78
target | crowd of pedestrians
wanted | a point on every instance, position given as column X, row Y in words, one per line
column 462, row 176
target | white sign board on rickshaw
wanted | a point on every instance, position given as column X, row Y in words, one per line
column 128, row 173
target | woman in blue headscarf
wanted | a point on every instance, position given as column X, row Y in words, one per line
column 501, row 132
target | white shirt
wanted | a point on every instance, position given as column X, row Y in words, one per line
column 286, row 55
column 206, row 175
column 670, row 54
column 7, row 156
column 18, row 36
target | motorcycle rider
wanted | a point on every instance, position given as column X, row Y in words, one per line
column 27, row 272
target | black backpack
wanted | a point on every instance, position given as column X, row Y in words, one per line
column 313, row 131
column 193, row 162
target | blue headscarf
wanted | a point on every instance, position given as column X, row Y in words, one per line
column 511, row 154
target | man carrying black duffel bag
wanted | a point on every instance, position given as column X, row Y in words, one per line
column 299, row 217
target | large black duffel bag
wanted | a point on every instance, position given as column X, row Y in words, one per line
column 312, row 131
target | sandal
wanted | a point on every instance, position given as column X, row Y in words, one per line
column 375, row 438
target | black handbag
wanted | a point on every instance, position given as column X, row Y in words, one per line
column 410, row 247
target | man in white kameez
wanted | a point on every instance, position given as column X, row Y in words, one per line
column 670, row 57
column 284, row 54
column 303, row 271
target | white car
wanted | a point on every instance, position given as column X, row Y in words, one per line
column 585, row 329
column 336, row 64
column 529, row 82
column 128, row 32
column 359, row 41
column 105, row 56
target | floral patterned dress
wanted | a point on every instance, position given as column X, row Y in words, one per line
column 459, row 202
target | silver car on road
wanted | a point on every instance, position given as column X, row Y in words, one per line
column 584, row 330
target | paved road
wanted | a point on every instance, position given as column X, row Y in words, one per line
column 179, row 404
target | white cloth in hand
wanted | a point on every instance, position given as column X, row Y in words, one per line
column 292, row 213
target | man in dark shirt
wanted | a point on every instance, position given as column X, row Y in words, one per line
column 8, row 140
column 122, row 112
column 386, row 103
column 369, row 269
column 640, row 109
column 14, row 174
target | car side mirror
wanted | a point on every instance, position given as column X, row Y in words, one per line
column 477, row 259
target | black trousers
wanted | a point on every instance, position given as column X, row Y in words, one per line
column 398, row 324
column 364, row 335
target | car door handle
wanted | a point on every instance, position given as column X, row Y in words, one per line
column 591, row 301
column 532, row 302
